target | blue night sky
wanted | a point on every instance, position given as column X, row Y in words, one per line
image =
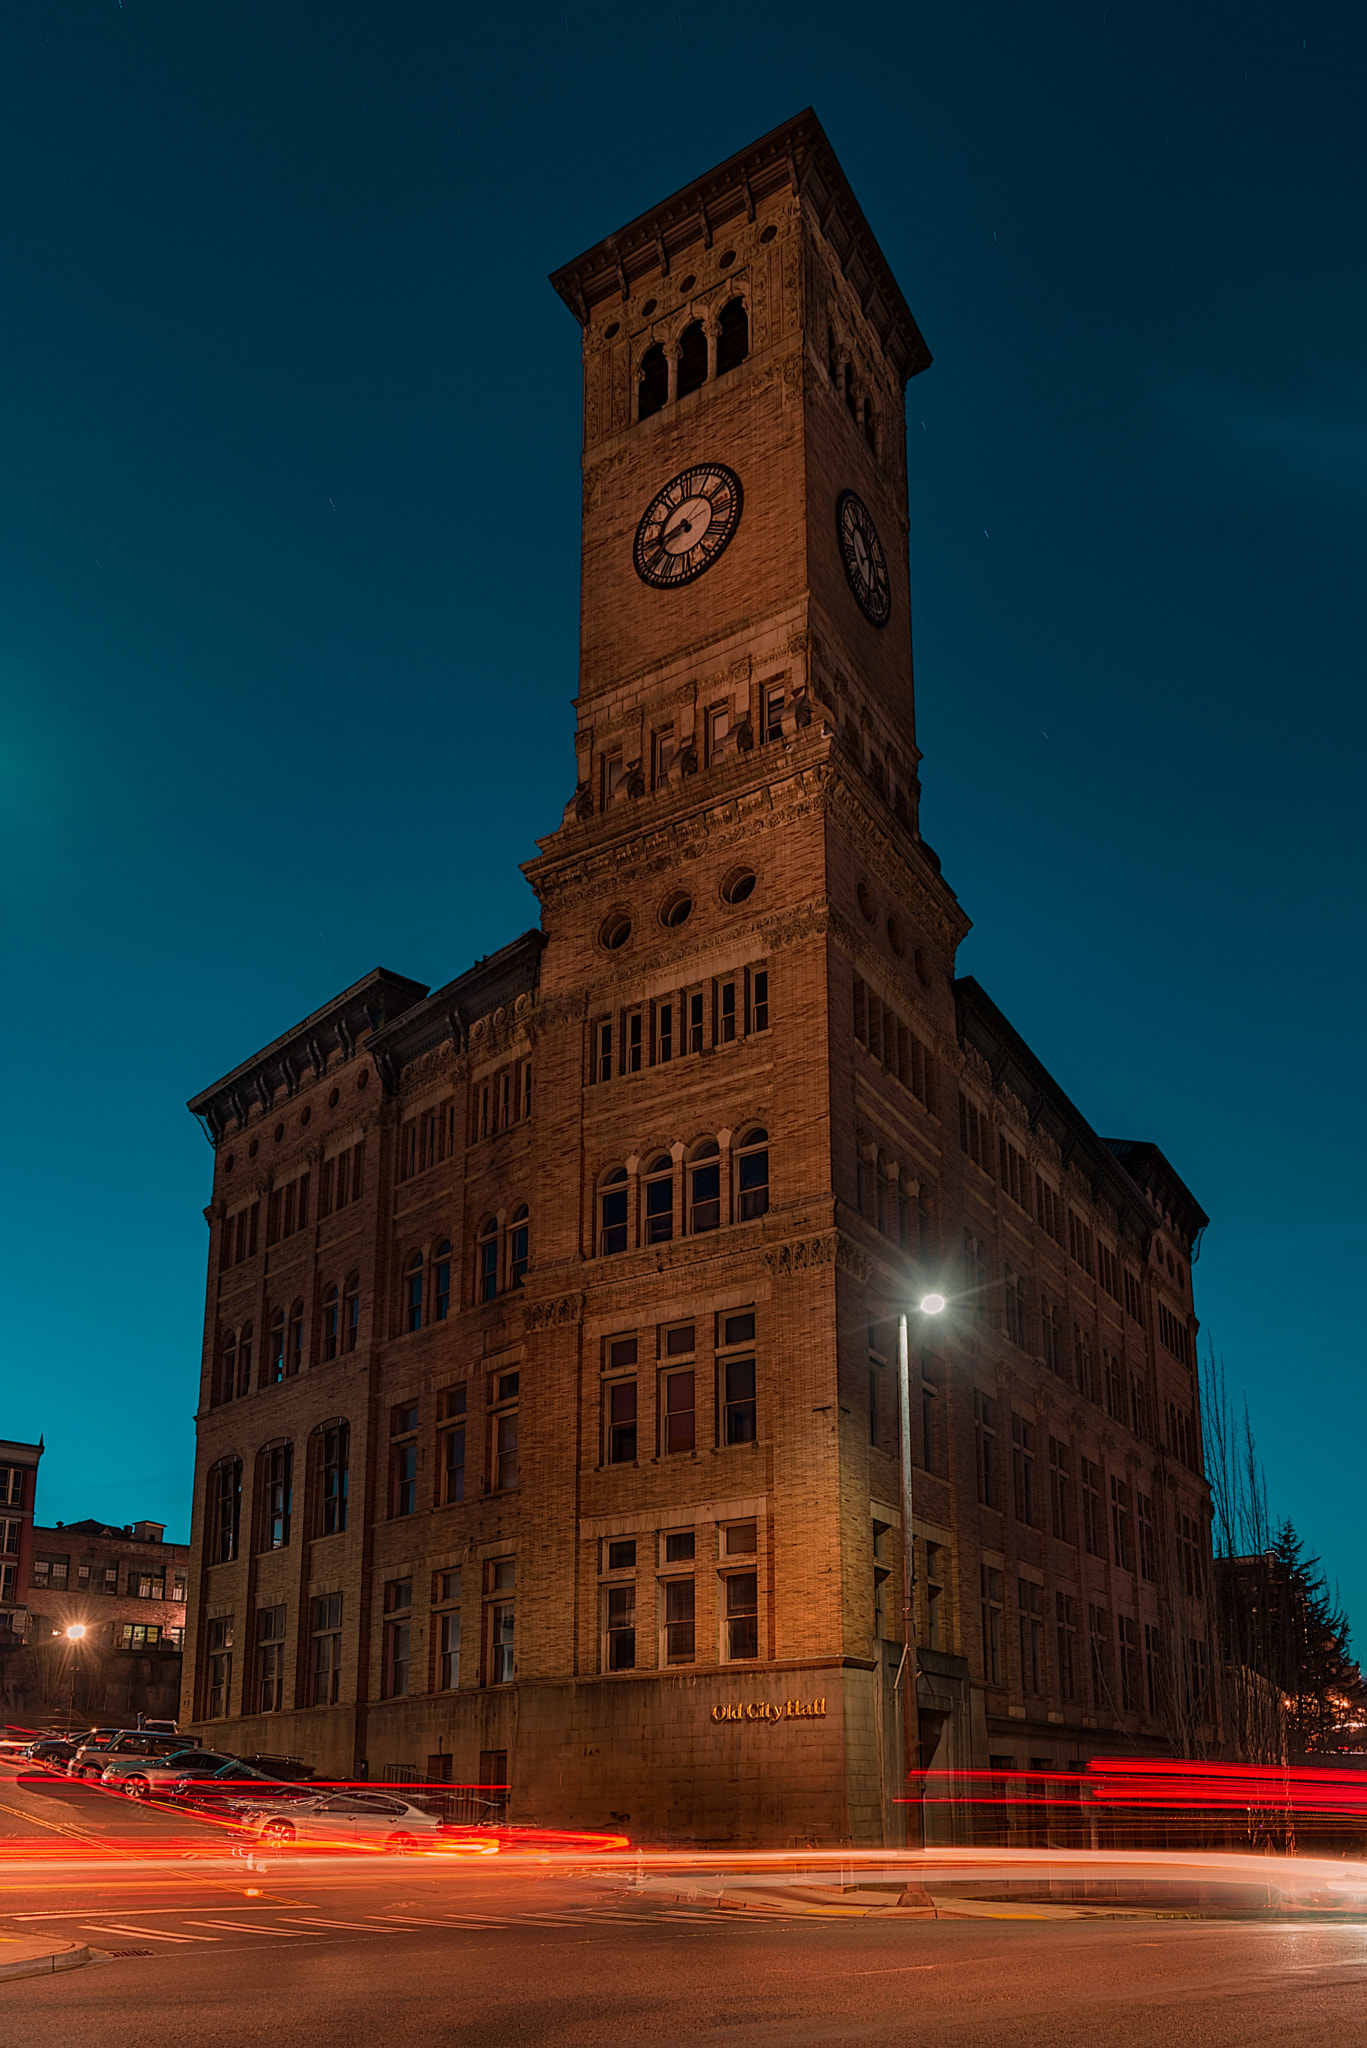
column 289, row 585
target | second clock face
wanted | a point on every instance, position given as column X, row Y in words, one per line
column 866, row 566
column 686, row 525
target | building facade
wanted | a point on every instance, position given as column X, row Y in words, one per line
column 18, row 1491
column 549, row 1420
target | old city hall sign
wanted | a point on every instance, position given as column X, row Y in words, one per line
column 770, row 1710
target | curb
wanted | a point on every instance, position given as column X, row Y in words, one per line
column 69, row 1958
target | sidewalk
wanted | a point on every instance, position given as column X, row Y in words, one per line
column 37, row 1955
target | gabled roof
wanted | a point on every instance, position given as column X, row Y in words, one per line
column 797, row 156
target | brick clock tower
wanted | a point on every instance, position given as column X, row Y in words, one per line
column 550, row 1426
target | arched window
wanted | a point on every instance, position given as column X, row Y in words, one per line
column 753, row 1176
column 332, row 1453
column 704, row 1187
column 351, row 1311
column 654, row 385
column 612, row 1212
column 225, row 1509
column 441, row 1281
column 851, row 402
column 486, row 1261
column 227, row 1372
column 332, row 1321
column 870, row 426
column 276, row 1475
column 733, row 336
column 660, row 1200
column 294, row 1350
column 275, row 1364
column 519, row 1245
column 412, row 1293
column 692, row 359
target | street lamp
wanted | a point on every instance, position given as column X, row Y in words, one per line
column 929, row 1305
column 75, row 1634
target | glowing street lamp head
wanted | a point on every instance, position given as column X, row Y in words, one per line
column 932, row 1304
column 76, row 1632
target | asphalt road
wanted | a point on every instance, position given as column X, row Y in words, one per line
column 405, row 1955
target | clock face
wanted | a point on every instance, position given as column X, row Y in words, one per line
column 866, row 566
column 686, row 525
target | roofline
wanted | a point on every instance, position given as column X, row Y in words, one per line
column 377, row 976
column 1011, row 1060
column 783, row 157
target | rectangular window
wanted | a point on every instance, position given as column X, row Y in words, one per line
column 661, row 755
column 1051, row 1334
column 678, row 1341
column 1080, row 1241
column 680, row 1412
column 1134, row 1297
column 1065, row 1615
column 664, row 1033
column 975, row 1134
column 717, row 728
column 453, row 1467
column 270, row 1659
column 1175, row 1334
column 1099, row 1640
column 620, row 1627
column 680, row 1546
column 325, row 1629
column 992, row 1587
column 278, row 1473
column 219, row 1667
column 742, row 1616
column 1153, row 1668
column 985, row 1431
column 726, row 1013
column 405, row 1479
column 1048, row 1209
column 1108, row 1270
column 1093, row 1524
column 1113, row 1387
column 504, row 1438
column 1148, row 1546
column 398, row 1637
column 1131, row 1701
column 1061, row 1490
column 740, row 1539
column 773, row 714
column 633, row 1045
column 448, row 1652
column 679, row 1617
column 602, row 1056
column 502, row 1663
column 757, row 1011
column 1122, row 1550
column 1139, row 1408
column 739, row 1391
column 693, row 1021
column 621, row 1422
column 1013, row 1173
column 1031, row 1616
column 1023, row 1469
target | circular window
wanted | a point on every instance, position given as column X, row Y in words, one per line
column 686, row 284
column 229, row 1163
column 279, row 1132
column 363, row 1078
column 648, row 308
column 252, row 1149
column 768, row 234
column 865, row 901
column 614, row 327
column 725, row 262
column 896, row 937
column 334, row 1098
column 739, row 884
column 305, row 1115
column 675, row 910
column 614, row 931
column 922, row 971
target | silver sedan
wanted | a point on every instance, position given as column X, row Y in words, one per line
column 350, row 1820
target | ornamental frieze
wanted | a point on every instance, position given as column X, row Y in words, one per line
column 552, row 1315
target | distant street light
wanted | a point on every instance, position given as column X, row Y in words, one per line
column 929, row 1305
column 75, row 1634
column 77, row 1629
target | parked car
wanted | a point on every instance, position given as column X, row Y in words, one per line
column 233, row 1784
column 132, row 1751
column 158, row 1727
column 352, row 1820
column 92, row 1752
column 157, row 1774
column 50, row 1752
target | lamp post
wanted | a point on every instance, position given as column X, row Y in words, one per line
column 75, row 1634
column 929, row 1305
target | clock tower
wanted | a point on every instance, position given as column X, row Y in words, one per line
column 746, row 350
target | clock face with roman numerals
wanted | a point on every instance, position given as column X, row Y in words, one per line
column 687, row 525
column 866, row 566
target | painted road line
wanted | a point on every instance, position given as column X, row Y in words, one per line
column 151, row 1933
column 249, row 1927
column 358, row 1926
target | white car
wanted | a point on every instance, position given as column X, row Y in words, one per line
column 357, row 1820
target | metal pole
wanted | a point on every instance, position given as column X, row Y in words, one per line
column 910, row 1719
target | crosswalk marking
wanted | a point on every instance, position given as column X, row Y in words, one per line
column 150, row 1933
column 362, row 1926
column 251, row 1927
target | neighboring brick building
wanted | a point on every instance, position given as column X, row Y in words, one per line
column 548, row 1421
column 18, row 1488
column 125, row 1586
